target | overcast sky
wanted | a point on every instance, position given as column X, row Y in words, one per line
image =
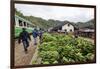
column 73, row 14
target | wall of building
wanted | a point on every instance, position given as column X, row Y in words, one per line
column 69, row 28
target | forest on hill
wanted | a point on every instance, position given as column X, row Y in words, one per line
column 45, row 24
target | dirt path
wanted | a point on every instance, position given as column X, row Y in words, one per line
column 20, row 57
column 88, row 39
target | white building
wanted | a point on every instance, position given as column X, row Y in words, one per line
column 68, row 27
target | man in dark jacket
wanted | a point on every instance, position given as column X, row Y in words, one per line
column 76, row 34
column 35, row 34
column 24, row 36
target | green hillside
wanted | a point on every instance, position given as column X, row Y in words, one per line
column 88, row 24
column 45, row 24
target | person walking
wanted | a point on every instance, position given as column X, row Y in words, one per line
column 76, row 34
column 40, row 35
column 24, row 37
column 35, row 34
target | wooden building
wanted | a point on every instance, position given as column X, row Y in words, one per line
column 86, row 33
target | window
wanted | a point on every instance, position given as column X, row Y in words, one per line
column 68, row 24
column 65, row 30
column 70, row 30
column 27, row 25
column 24, row 23
column 20, row 23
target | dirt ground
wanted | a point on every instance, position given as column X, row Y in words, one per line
column 20, row 57
column 88, row 39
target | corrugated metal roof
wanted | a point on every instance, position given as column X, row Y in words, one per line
column 87, row 30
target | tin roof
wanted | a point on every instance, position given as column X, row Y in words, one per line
column 86, row 30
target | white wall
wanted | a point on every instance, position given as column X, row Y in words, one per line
column 16, row 22
column 68, row 28
column 5, row 35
